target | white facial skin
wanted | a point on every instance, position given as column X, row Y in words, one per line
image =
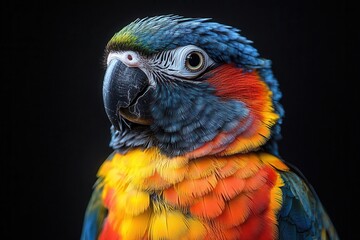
column 182, row 63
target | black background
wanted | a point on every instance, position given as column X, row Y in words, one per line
column 56, row 132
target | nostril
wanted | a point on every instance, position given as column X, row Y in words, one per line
column 129, row 57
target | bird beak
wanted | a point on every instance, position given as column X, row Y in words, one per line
column 127, row 94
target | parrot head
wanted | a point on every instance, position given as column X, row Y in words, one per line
column 189, row 86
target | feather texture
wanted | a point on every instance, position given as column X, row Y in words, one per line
column 168, row 225
column 229, row 187
column 223, row 196
column 236, row 212
column 208, row 206
column 196, row 187
column 135, row 227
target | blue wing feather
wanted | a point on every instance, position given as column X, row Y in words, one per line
column 95, row 215
column 302, row 215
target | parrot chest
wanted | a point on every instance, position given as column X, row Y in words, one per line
column 149, row 196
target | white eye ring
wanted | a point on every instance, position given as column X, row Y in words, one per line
column 194, row 61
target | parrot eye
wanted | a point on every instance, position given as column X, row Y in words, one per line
column 186, row 62
column 194, row 61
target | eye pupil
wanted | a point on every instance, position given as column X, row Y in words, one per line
column 194, row 59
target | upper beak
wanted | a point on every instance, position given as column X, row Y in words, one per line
column 126, row 93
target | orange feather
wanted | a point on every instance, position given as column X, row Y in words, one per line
column 208, row 206
column 172, row 197
column 252, row 167
column 236, row 211
column 231, row 166
column 155, row 182
column 229, row 187
column 197, row 187
column 201, row 168
column 256, row 181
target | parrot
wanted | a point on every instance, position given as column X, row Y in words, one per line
column 195, row 119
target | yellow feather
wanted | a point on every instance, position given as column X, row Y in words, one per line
column 197, row 230
column 137, row 202
column 137, row 164
column 104, row 169
column 173, row 175
column 137, row 158
column 273, row 161
column 276, row 195
column 119, row 203
column 115, row 179
column 168, row 224
column 175, row 162
column 135, row 227
column 137, row 176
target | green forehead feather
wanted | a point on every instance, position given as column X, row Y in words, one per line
column 123, row 37
column 126, row 39
column 144, row 35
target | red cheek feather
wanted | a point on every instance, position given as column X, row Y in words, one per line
column 231, row 82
